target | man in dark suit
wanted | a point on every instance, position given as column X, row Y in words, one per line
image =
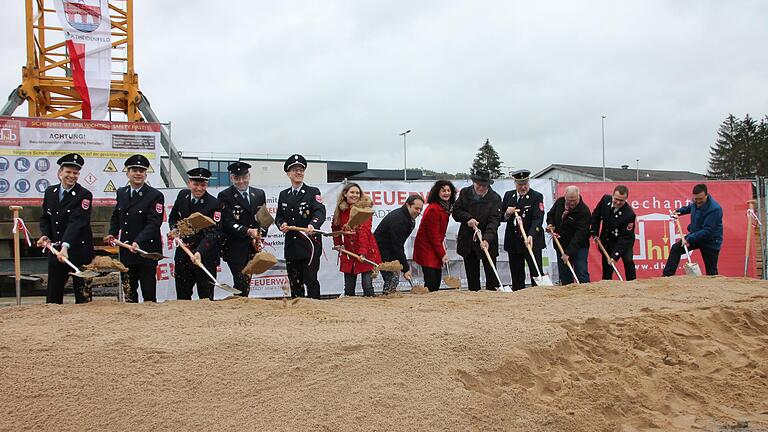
column 618, row 231
column 391, row 234
column 478, row 206
column 66, row 220
column 570, row 219
column 530, row 206
column 136, row 221
column 204, row 243
column 301, row 205
column 241, row 228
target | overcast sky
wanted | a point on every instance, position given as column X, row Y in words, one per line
column 342, row 79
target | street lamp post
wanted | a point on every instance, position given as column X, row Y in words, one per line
column 637, row 171
column 602, row 124
column 405, row 155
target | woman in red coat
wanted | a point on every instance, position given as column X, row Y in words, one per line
column 428, row 250
column 361, row 242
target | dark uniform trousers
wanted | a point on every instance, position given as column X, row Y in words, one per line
column 140, row 274
column 432, row 277
column 517, row 262
column 472, row 267
column 58, row 274
column 187, row 275
column 303, row 272
column 627, row 259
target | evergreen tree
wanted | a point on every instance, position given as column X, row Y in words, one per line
column 487, row 160
column 723, row 155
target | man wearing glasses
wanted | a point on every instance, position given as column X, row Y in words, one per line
column 618, row 231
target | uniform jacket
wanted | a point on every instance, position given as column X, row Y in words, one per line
column 531, row 206
column 487, row 212
column 206, row 241
column 428, row 249
column 574, row 230
column 300, row 210
column 69, row 221
column 618, row 229
column 138, row 220
column 362, row 242
column 391, row 235
column 239, row 215
column 706, row 227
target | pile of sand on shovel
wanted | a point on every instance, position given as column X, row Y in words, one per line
column 452, row 282
column 389, row 266
column 260, row 263
column 193, row 223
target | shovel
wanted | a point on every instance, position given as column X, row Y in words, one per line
column 77, row 272
column 149, row 255
column 222, row 285
column 359, row 257
column 562, row 252
column 542, row 279
column 691, row 268
column 450, row 281
column 607, row 257
column 323, row 233
column 502, row 287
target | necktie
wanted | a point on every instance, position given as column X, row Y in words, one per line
column 194, row 201
column 133, row 193
column 245, row 197
column 61, row 194
column 295, row 192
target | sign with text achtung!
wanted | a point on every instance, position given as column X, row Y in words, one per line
column 30, row 147
column 655, row 232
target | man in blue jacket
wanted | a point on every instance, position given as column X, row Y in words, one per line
column 705, row 231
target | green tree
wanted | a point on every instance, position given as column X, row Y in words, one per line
column 723, row 154
column 487, row 160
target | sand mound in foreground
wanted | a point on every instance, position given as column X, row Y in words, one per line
column 663, row 354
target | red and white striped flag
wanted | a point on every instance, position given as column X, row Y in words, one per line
column 87, row 32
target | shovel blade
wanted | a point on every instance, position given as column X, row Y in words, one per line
column 543, row 280
column 505, row 288
column 227, row 288
column 692, row 269
column 452, row 282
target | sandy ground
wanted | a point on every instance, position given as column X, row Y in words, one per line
column 664, row 354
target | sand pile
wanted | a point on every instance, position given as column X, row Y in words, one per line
column 671, row 354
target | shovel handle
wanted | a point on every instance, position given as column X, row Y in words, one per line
column 66, row 261
column 607, row 257
column 519, row 222
column 358, row 257
column 184, row 247
column 682, row 237
column 568, row 263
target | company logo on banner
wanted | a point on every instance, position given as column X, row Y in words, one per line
column 655, row 232
column 86, row 28
column 30, row 166
column 386, row 196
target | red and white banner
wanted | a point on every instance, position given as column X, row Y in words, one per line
column 655, row 232
column 87, row 30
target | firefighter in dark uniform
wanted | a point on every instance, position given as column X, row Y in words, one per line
column 301, row 205
column 618, row 231
column 136, row 221
column 530, row 205
column 241, row 229
column 478, row 206
column 204, row 243
column 66, row 222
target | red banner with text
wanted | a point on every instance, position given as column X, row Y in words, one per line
column 655, row 231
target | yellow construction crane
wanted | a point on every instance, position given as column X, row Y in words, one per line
column 47, row 84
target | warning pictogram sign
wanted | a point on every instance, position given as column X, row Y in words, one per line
column 110, row 167
column 110, row 186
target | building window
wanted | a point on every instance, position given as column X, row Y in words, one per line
column 219, row 173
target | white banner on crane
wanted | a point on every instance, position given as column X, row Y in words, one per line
column 386, row 196
column 87, row 32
